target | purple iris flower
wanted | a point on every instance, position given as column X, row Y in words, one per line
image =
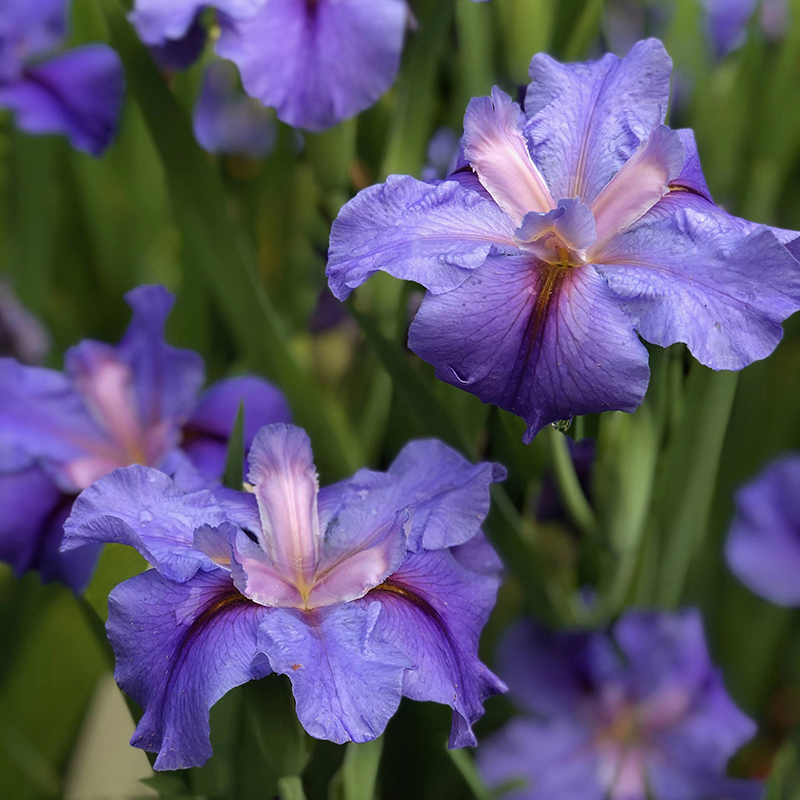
column 361, row 592
column 763, row 548
column 136, row 403
column 77, row 93
column 727, row 21
column 640, row 713
column 228, row 121
column 582, row 221
column 317, row 62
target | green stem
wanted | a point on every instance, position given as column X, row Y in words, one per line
column 569, row 487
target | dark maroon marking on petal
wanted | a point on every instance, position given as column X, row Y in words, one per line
column 550, row 278
column 679, row 187
column 229, row 599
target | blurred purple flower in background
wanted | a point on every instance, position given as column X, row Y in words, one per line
column 641, row 713
column 727, row 21
column 583, row 221
column 77, row 93
column 317, row 62
column 763, row 548
column 361, row 592
column 228, row 121
column 136, row 403
column 22, row 336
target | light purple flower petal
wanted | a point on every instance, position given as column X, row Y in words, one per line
column 664, row 650
column 763, row 548
column 547, row 673
column 541, row 342
column 545, row 235
column 345, row 676
column 554, row 761
column 433, row 611
column 448, row 495
column 286, row 485
column 726, row 23
column 257, row 577
column 27, row 30
column 358, row 555
column 180, row 648
column 228, row 121
column 435, row 235
column 691, row 176
column 495, row 147
column 685, row 276
column 180, row 54
column 167, row 379
column 42, row 417
column 317, row 63
column 478, row 555
column 586, row 120
column 158, row 21
column 77, row 94
column 31, row 529
column 639, row 185
column 143, row 508
column 641, row 708
column 208, row 430
column 22, row 335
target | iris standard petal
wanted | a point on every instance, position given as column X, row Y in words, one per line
column 542, row 342
column 432, row 234
column 209, row 427
column 448, row 495
column 77, row 94
column 346, row 677
column 256, row 576
column 143, row 508
column 586, row 120
column 763, row 548
column 549, row 760
column 158, row 21
column 285, row 482
column 433, row 611
column 496, row 149
column 167, row 379
column 317, row 63
column 179, row 649
column 687, row 276
column 358, row 555
column 639, row 185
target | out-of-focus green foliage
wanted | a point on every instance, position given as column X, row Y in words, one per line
column 243, row 245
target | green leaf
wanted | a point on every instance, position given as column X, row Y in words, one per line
column 234, row 460
column 412, row 388
column 688, row 475
column 466, row 766
column 273, row 744
column 360, row 770
column 291, row 789
column 220, row 252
